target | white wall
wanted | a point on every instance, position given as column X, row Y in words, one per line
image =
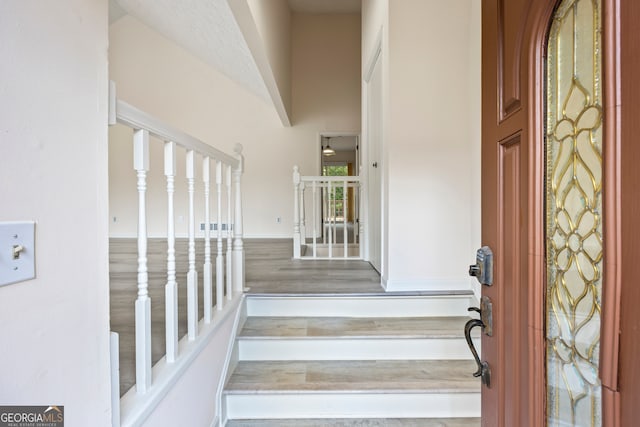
column 160, row 77
column 273, row 21
column 326, row 71
column 431, row 138
column 53, row 140
column 475, row 129
column 192, row 401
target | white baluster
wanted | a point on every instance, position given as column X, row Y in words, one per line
column 207, row 281
column 171, row 288
column 192, row 274
column 315, row 220
column 219, row 261
column 325, row 206
column 143, row 302
column 303, row 224
column 356, row 212
column 334, row 214
column 344, row 217
column 329, row 196
column 229, row 236
column 238, row 248
column 361, row 210
column 296, row 212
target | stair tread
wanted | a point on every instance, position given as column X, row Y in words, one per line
column 384, row 376
column 359, row 422
column 353, row 327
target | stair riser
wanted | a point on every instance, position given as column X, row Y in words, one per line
column 352, row 405
column 360, row 306
column 355, row 349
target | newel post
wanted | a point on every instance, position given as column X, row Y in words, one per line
column 238, row 247
column 296, row 212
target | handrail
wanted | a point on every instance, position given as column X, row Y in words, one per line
column 131, row 116
column 308, row 178
column 226, row 172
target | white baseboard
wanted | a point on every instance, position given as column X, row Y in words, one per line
column 359, row 306
column 433, row 348
column 353, row 405
column 426, row 284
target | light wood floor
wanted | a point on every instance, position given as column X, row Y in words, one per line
column 270, row 269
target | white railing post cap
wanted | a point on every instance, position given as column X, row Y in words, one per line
column 296, row 175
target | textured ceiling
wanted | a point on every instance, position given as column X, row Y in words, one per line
column 325, row 6
column 208, row 30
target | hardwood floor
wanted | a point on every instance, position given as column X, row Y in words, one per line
column 269, row 268
column 352, row 376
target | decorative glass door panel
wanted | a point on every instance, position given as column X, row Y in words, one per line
column 574, row 214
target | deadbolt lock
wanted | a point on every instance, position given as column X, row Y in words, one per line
column 483, row 268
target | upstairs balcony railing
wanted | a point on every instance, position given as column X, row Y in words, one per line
column 327, row 220
column 221, row 175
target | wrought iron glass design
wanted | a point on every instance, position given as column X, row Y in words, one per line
column 574, row 214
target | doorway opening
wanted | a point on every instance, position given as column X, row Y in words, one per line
column 340, row 203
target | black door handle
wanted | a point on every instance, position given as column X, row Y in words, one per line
column 483, row 367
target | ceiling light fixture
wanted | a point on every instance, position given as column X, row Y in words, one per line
column 328, row 151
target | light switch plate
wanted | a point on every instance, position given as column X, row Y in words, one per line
column 22, row 266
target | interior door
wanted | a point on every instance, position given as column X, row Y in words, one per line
column 513, row 46
column 374, row 139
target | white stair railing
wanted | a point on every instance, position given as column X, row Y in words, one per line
column 144, row 126
column 332, row 218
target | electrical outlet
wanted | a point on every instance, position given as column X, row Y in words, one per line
column 278, row 220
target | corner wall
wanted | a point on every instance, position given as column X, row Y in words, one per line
column 431, row 70
column 53, row 140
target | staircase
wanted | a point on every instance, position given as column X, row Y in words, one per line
column 377, row 360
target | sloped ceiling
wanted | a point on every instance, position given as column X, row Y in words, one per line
column 207, row 29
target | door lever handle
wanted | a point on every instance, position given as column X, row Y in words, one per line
column 483, row 367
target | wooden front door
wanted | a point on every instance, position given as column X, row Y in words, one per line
column 623, row 389
column 531, row 201
column 517, row 190
column 513, row 34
